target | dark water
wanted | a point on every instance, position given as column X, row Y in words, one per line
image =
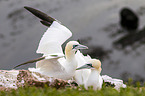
column 94, row 23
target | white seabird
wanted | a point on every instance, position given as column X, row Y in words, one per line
column 93, row 79
column 83, row 77
column 53, row 64
column 60, row 67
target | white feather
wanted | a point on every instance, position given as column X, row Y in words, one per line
column 117, row 82
column 53, row 38
column 87, row 77
column 81, row 75
column 50, row 67
column 94, row 80
column 50, row 46
column 54, row 65
column 54, row 68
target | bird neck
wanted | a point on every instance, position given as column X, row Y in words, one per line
column 95, row 72
column 71, row 64
column 69, row 54
column 71, row 59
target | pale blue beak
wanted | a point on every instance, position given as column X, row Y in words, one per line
column 86, row 66
column 79, row 47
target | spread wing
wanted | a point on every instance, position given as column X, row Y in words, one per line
column 55, row 35
column 53, row 38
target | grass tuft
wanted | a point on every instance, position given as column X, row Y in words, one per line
column 78, row 91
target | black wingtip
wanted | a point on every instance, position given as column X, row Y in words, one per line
column 31, row 61
column 16, row 66
column 46, row 23
column 40, row 14
column 26, row 7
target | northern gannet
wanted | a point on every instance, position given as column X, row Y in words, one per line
column 94, row 79
column 54, row 63
column 60, row 67
column 81, row 76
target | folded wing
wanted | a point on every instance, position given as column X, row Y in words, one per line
column 49, row 67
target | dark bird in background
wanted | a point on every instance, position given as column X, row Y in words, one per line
column 135, row 37
column 128, row 19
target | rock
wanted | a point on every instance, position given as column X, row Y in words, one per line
column 21, row 78
column 12, row 79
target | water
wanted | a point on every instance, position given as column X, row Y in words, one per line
column 94, row 23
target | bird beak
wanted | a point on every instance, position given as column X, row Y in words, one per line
column 80, row 47
column 86, row 66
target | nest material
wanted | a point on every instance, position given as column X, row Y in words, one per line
column 20, row 78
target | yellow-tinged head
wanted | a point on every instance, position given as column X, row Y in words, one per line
column 70, row 44
column 72, row 47
column 96, row 63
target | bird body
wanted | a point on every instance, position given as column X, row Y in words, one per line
column 81, row 75
column 55, row 64
column 94, row 78
column 62, row 68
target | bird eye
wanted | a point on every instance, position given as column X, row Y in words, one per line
column 90, row 65
column 74, row 46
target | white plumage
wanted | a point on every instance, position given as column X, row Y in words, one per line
column 53, row 38
column 81, row 75
column 56, row 64
column 92, row 78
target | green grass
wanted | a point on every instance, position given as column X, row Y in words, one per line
column 47, row 91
